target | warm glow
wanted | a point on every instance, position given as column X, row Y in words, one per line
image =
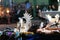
column 0, row 0
column 2, row 12
column 7, row 10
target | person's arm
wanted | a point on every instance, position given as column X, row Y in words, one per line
column 48, row 25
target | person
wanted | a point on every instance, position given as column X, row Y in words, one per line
column 40, row 13
column 27, row 4
column 49, row 8
column 22, row 10
column 53, row 8
column 37, row 10
column 44, row 8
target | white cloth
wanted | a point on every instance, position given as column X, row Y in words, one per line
column 16, row 30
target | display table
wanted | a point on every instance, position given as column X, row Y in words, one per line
column 48, row 30
column 42, row 36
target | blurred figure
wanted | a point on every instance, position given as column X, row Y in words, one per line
column 37, row 10
column 44, row 8
column 27, row 4
column 49, row 8
column 53, row 8
column 30, row 11
column 22, row 9
column 40, row 13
